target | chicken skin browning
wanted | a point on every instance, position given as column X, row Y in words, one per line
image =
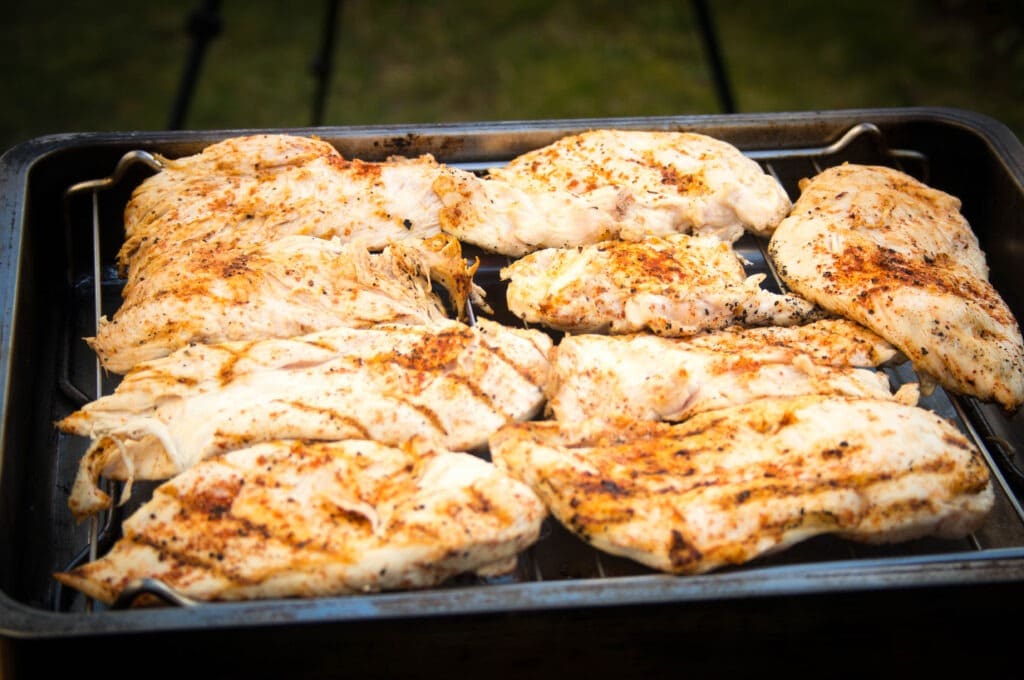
column 728, row 486
column 879, row 247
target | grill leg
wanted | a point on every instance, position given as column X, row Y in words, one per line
column 713, row 53
column 204, row 24
column 321, row 66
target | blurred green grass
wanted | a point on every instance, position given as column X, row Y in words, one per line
column 79, row 67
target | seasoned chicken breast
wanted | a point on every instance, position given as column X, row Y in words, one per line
column 728, row 486
column 504, row 218
column 657, row 182
column 672, row 286
column 653, row 378
column 608, row 184
column 207, row 225
column 294, row 519
column 830, row 341
column 290, row 286
column 448, row 380
column 877, row 246
column 256, row 188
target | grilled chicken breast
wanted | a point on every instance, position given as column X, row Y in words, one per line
column 657, row 182
column 652, row 378
column 293, row 519
column 290, row 286
column 219, row 214
column 448, row 380
column 503, row 218
column 256, row 188
column 879, row 247
column 607, row 184
column 728, row 486
column 830, row 341
column 672, row 286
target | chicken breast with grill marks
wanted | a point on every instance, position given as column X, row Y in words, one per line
column 219, row 214
column 450, row 381
column 290, row 286
column 608, row 184
column 292, row 519
column 257, row 188
column 877, row 246
column 731, row 485
column 652, row 378
column 657, row 182
column 676, row 285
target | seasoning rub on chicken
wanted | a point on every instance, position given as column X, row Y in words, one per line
column 653, row 378
column 293, row 519
column 604, row 184
column 728, row 486
column 448, row 380
column 877, row 246
column 286, row 287
column 256, row 188
column 511, row 220
column 201, row 236
column 676, row 285
column 660, row 182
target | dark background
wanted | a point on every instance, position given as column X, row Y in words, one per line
column 118, row 66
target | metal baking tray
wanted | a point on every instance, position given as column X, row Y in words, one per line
column 61, row 203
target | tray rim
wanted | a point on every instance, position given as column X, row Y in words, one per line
column 994, row 567
column 993, row 131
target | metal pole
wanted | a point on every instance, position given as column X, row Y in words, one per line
column 713, row 53
column 204, row 24
column 321, row 66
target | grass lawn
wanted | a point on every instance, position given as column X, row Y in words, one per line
column 78, row 66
